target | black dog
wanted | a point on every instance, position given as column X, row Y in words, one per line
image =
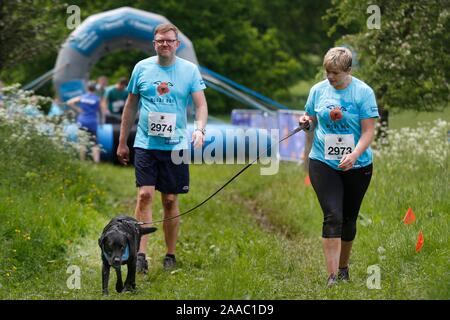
column 119, row 243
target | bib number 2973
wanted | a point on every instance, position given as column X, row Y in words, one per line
column 338, row 145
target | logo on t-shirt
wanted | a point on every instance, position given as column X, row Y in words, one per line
column 163, row 87
column 336, row 113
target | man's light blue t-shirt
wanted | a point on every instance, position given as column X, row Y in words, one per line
column 357, row 102
column 165, row 92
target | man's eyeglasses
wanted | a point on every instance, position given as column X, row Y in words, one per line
column 168, row 41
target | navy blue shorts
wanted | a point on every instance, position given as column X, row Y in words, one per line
column 155, row 168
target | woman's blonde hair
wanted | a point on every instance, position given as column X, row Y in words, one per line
column 338, row 58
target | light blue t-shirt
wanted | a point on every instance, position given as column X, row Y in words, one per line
column 356, row 102
column 165, row 90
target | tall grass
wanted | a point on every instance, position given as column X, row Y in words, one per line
column 46, row 201
column 47, row 198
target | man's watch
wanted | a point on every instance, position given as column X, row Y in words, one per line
column 203, row 131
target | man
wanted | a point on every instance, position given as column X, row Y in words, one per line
column 163, row 83
column 102, row 83
column 114, row 98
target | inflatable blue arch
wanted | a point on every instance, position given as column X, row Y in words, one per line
column 129, row 28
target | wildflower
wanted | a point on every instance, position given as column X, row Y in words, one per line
column 428, row 140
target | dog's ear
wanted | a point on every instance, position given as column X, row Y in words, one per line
column 146, row 230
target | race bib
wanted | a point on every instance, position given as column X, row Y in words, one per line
column 161, row 124
column 117, row 105
column 338, row 145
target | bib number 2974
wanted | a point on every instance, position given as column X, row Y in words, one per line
column 161, row 128
column 161, row 124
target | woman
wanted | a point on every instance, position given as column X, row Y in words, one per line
column 87, row 107
column 342, row 111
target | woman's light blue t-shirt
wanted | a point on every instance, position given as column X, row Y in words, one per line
column 164, row 90
column 357, row 102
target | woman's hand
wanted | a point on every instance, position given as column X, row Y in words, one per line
column 305, row 119
column 348, row 161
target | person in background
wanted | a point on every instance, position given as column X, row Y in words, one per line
column 114, row 99
column 87, row 107
column 1, row 93
column 100, row 87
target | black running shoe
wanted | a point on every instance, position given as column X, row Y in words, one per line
column 332, row 280
column 343, row 274
column 169, row 262
column 141, row 264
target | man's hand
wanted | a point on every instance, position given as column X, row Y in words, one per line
column 123, row 154
column 198, row 138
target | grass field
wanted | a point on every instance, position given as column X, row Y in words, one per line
column 257, row 239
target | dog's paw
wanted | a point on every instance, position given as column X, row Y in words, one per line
column 119, row 289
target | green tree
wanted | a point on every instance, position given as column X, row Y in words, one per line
column 27, row 29
column 301, row 29
column 30, row 34
column 406, row 60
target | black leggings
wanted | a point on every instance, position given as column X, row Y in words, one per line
column 340, row 195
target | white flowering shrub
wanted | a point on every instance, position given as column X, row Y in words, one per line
column 415, row 147
column 20, row 113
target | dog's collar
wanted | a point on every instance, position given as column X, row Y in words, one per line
column 125, row 255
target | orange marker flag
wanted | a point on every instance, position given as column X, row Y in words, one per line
column 420, row 241
column 409, row 217
column 307, row 181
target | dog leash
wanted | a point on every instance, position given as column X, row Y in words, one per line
column 304, row 126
